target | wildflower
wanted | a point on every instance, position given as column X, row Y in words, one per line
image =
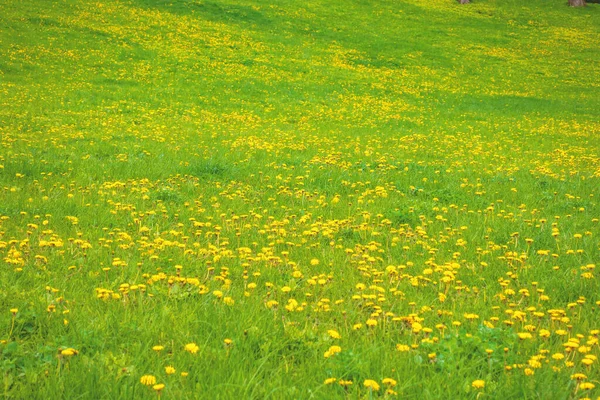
column 158, row 387
column 544, row 333
column 329, row 381
column 272, row 304
column 389, row 382
column 148, row 380
column 587, row 386
column 587, row 362
column 402, row 347
column 14, row 311
column 583, row 349
column 192, row 348
column 228, row 301
column 334, row 334
column 169, row 370
column 333, row 350
column 416, row 327
column 524, row 335
column 158, row 348
column 478, row 384
column 69, row 352
column 371, row 384
column 184, row 374
column 371, row 322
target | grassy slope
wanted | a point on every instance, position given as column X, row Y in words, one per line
column 221, row 106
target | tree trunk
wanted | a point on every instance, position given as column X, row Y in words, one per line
column 577, row 3
column 468, row 1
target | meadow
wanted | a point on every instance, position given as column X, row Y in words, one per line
column 221, row 199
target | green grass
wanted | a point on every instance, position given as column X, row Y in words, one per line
column 398, row 143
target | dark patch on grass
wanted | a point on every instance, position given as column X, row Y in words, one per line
column 210, row 169
column 168, row 195
column 117, row 82
column 95, row 32
column 229, row 13
column 211, row 11
column 403, row 217
column 8, row 69
column 485, row 105
column 44, row 21
column 446, row 196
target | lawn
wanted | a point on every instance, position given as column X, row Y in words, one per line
column 291, row 200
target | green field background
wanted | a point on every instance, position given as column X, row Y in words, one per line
column 417, row 177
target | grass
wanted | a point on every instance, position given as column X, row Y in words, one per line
column 421, row 178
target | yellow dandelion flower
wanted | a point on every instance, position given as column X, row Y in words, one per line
column 578, row 376
column 371, row 384
column 478, row 384
column 334, row 334
column 389, row 382
column 587, row 362
column 402, row 347
column 192, row 348
column 159, row 387
column 148, row 380
column 69, row 352
column 524, row 335
column 416, row 327
column 333, row 350
column 228, row 301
